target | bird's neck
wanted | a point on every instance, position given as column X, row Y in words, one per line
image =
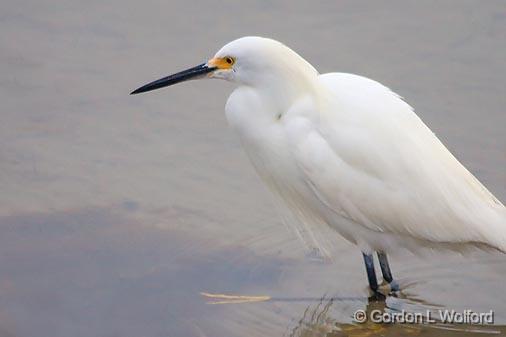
column 282, row 90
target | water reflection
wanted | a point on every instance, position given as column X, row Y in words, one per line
column 117, row 213
column 316, row 321
column 102, row 272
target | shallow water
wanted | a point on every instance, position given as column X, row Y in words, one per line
column 117, row 212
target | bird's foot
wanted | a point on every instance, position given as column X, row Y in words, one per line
column 388, row 288
column 376, row 296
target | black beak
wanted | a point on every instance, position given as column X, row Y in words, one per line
column 185, row 75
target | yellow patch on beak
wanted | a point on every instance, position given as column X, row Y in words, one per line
column 221, row 62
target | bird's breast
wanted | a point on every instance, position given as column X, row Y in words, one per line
column 268, row 143
column 260, row 127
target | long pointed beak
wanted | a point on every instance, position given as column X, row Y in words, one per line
column 185, row 75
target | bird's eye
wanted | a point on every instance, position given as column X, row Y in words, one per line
column 229, row 60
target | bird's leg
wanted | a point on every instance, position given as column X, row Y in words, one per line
column 385, row 267
column 387, row 273
column 371, row 274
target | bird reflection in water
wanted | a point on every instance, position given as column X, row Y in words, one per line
column 317, row 320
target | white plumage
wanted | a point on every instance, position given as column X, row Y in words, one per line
column 345, row 151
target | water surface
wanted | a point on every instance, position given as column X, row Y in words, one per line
column 117, row 212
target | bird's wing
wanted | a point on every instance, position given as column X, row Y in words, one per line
column 371, row 159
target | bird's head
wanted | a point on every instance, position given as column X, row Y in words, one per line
column 249, row 60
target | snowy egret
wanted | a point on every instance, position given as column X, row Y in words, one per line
column 344, row 151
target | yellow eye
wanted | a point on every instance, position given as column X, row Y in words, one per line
column 230, row 60
column 225, row 62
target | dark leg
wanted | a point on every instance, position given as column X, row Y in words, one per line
column 371, row 274
column 385, row 270
column 385, row 267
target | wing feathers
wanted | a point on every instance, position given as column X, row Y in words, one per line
column 372, row 160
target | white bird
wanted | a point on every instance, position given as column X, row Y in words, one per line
column 345, row 151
